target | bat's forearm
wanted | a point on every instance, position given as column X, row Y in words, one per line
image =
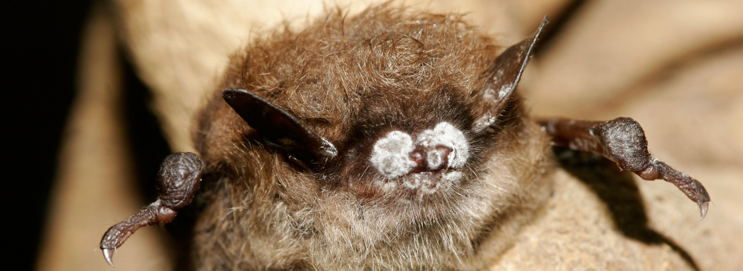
column 178, row 180
column 623, row 141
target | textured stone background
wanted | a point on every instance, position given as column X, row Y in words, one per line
column 676, row 67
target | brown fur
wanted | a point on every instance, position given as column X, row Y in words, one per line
column 351, row 79
column 676, row 77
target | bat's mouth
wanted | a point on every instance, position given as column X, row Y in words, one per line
column 430, row 162
column 421, row 184
column 430, row 182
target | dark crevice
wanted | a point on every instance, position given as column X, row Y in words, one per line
column 148, row 144
column 41, row 44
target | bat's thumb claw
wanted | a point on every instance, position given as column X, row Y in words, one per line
column 703, row 206
column 109, row 255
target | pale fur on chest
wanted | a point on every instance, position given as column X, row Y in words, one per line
column 325, row 229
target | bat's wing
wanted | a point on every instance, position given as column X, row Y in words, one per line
column 623, row 141
column 178, row 180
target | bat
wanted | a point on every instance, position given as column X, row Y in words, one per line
column 386, row 140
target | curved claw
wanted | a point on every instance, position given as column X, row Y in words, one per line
column 623, row 141
column 109, row 255
column 703, row 206
column 178, row 180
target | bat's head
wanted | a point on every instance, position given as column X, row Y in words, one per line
column 376, row 124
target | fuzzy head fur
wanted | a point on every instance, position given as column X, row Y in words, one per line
column 385, row 84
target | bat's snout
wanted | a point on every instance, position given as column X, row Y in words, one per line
column 430, row 158
column 427, row 162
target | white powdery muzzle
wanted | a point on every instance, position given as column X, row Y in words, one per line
column 443, row 147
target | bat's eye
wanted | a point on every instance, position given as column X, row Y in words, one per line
column 398, row 154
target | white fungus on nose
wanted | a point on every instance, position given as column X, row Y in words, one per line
column 391, row 154
column 445, row 135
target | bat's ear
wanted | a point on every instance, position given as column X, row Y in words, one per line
column 504, row 75
column 278, row 127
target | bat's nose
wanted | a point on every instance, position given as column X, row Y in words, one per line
column 431, row 157
column 434, row 150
